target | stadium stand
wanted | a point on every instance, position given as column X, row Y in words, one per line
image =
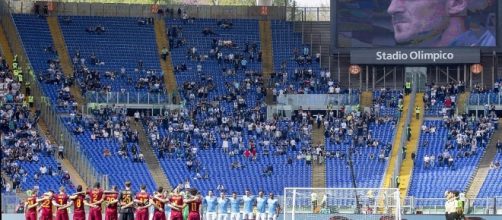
column 36, row 37
column 441, row 100
column 386, row 102
column 27, row 157
column 448, row 148
column 219, row 139
column 367, row 138
column 107, row 57
column 111, row 145
column 296, row 69
column 492, row 187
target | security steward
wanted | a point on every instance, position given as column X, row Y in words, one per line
column 407, row 87
column 450, row 206
column 460, row 206
column 417, row 112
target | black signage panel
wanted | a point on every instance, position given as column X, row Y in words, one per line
column 408, row 56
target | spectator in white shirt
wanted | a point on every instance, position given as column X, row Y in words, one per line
column 43, row 169
column 427, row 160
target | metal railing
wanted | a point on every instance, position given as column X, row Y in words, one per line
column 477, row 206
column 73, row 150
column 318, row 101
column 403, row 140
column 128, row 98
column 485, row 98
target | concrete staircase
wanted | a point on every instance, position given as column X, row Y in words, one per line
column 318, row 170
column 167, row 65
column 462, row 102
column 75, row 179
column 484, row 165
column 267, row 59
column 4, row 45
column 151, row 159
column 63, row 55
column 13, row 39
column 401, row 130
column 9, row 29
column 412, row 145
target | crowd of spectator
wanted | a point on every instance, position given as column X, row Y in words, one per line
column 441, row 100
column 54, row 75
column 467, row 136
column 10, row 87
column 91, row 79
column 350, row 133
column 111, row 123
column 387, row 102
column 23, row 146
column 247, row 135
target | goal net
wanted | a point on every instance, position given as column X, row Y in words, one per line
column 341, row 203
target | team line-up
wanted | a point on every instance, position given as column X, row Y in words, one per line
column 133, row 206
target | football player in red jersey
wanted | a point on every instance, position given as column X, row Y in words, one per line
column 60, row 201
column 78, row 204
column 46, row 206
column 30, row 205
column 96, row 198
column 158, row 201
column 111, row 200
column 142, row 204
column 194, row 203
column 176, row 204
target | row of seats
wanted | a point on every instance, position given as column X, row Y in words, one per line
column 432, row 181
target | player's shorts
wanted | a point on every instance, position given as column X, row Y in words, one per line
column 158, row 215
column 248, row 215
column 62, row 215
column 210, row 215
column 31, row 216
column 235, row 216
column 142, row 214
column 111, row 214
column 176, row 215
column 95, row 214
column 272, row 216
column 46, row 215
column 193, row 216
column 222, row 216
column 127, row 216
column 79, row 215
column 262, row 216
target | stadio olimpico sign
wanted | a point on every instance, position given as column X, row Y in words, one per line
column 415, row 56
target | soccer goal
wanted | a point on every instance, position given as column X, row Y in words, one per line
column 341, row 203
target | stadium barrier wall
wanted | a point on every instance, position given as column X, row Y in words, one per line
column 198, row 11
column 319, row 101
column 58, row 131
column 144, row 10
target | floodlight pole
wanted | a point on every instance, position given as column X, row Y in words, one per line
column 354, row 185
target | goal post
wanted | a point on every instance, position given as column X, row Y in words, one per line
column 341, row 203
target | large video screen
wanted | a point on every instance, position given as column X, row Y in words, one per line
column 416, row 23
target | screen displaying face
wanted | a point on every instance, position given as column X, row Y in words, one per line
column 416, row 23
